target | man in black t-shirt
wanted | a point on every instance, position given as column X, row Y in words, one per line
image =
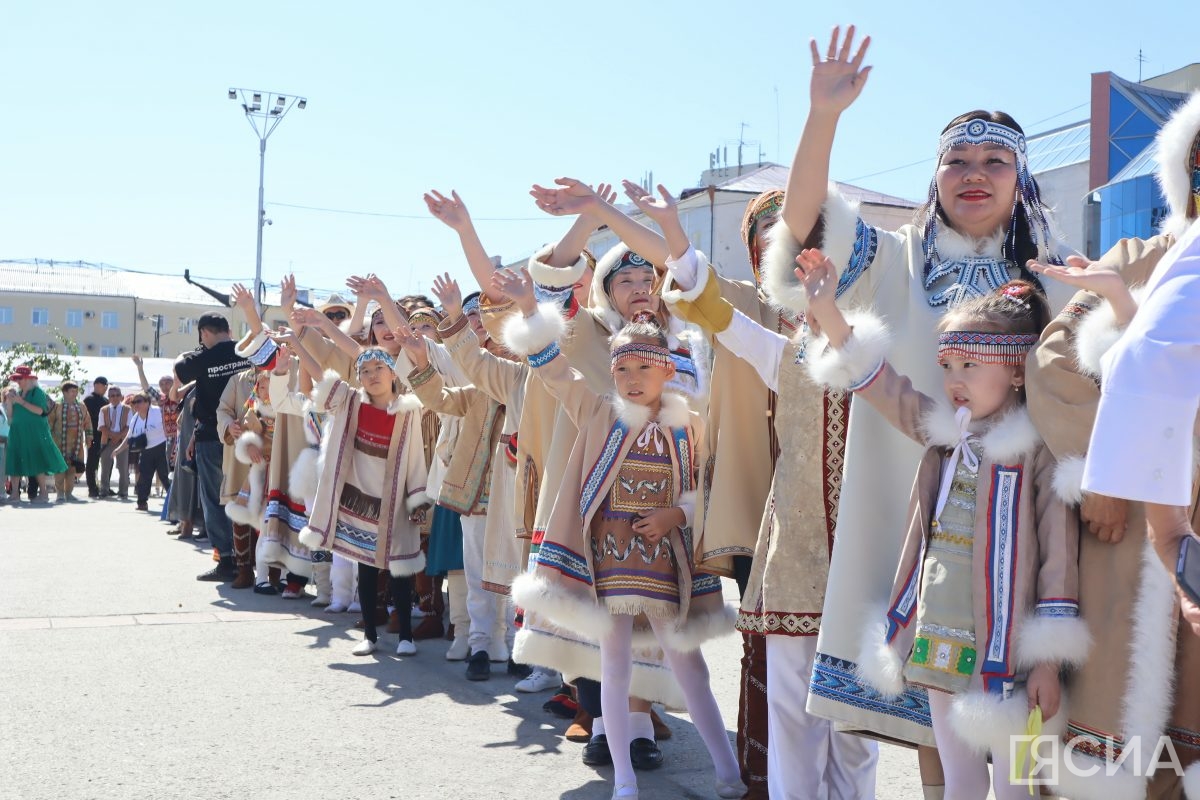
column 95, row 401
column 211, row 366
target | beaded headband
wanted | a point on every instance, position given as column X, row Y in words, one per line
column 471, row 305
column 653, row 354
column 374, row 354
column 1195, row 165
column 426, row 312
column 628, row 261
column 1007, row 349
column 766, row 204
column 982, row 131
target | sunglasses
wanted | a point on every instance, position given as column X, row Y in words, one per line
column 336, row 316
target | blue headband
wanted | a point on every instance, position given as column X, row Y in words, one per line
column 374, row 354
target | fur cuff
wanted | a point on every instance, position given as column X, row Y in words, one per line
column 324, row 388
column 879, row 665
column 986, row 721
column 539, row 595
column 687, row 502
column 303, row 477
column 1191, row 781
column 858, row 359
column 701, row 626
column 417, row 500
column 839, row 220
column 528, row 335
column 1068, row 480
column 241, row 447
column 671, row 293
column 555, row 277
column 311, row 539
column 407, row 566
column 1096, row 333
column 1051, row 640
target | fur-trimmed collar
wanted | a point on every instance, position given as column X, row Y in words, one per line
column 1174, row 143
column 321, row 392
column 677, row 329
column 955, row 246
column 1007, row 438
column 402, row 403
column 674, row 413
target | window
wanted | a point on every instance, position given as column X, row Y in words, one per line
column 108, row 319
column 185, row 324
column 74, row 318
column 5, row 315
column 108, row 351
column 41, row 317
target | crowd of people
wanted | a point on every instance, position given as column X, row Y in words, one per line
column 922, row 460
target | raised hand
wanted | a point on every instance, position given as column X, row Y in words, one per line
column 664, row 209
column 839, row 78
column 241, row 296
column 137, row 359
column 287, row 292
column 1108, row 285
column 301, row 317
column 819, row 277
column 571, row 197
column 413, row 345
column 449, row 210
column 369, row 286
column 446, row 290
column 517, row 286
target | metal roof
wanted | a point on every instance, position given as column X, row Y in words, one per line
column 775, row 176
column 1145, row 163
column 1061, row 147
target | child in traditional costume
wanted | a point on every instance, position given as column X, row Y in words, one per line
column 371, row 497
column 617, row 552
column 984, row 607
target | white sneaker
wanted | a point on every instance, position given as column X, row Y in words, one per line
column 336, row 608
column 321, row 600
column 406, row 648
column 498, row 652
column 538, row 681
column 460, row 648
column 354, row 607
column 363, row 648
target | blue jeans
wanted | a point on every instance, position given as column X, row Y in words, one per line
column 208, row 474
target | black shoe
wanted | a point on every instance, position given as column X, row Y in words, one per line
column 596, row 752
column 645, row 754
column 519, row 670
column 479, row 668
column 225, row 570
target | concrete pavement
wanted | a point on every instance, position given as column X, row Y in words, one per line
column 121, row 676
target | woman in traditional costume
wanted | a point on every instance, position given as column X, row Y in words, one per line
column 31, row 450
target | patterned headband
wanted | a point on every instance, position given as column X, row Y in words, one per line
column 374, row 354
column 982, row 131
column 1007, row 349
column 653, row 354
column 628, row 261
column 1195, row 167
column 426, row 312
column 471, row 305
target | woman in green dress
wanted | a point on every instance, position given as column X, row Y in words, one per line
column 31, row 449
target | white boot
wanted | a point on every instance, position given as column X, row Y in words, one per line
column 344, row 579
column 323, row 582
column 456, row 588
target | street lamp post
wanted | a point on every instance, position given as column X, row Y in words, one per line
column 264, row 119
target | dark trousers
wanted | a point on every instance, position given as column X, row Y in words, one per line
column 153, row 460
column 587, row 693
column 93, row 464
column 401, row 590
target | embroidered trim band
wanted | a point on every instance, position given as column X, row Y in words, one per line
column 374, row 354
column 652, row 354
column 628, row 261
column 1008, row 349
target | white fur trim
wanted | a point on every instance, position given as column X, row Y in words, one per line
column 1191, row 781
column 1051, row 640
column 540, row 596
column 1068, row 479
column 323, row 388
column 555, row 277
column 1096, row 333
column 416, row 501
column 840, row 218
column 599, row 299
column 409, row 566
column 938, row 424
column 1086, row 780
column 1011, row 437
column 575, row 659
column 879, row 665
column 1174, row 145
column 672, row 294
column 402, row 404
column 241, row 446
column 674, row 413
column 528, row 335
column 633, row 415
column 303, row 477
column 687, row 502
column 955, row 246
column 863, row 351
column 702, row 627
column 252, row 512
column 311, row 539
column 251, row 343
column 986, row 721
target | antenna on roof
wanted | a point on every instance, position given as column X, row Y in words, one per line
column 1141, row 60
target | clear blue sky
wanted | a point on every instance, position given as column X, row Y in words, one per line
column 119, row 145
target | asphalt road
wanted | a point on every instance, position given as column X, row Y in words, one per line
column 121, row 676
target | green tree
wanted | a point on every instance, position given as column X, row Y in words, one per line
column 63, row 361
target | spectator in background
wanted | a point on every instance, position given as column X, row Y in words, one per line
column 71, row 427
column 168, row 404
column 148, row 443
column 95, row 401
column 114, row 426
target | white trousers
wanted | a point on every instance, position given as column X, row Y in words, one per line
column 967, row 771
column 344, row 577
column 481, row 604
column 807, row 759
